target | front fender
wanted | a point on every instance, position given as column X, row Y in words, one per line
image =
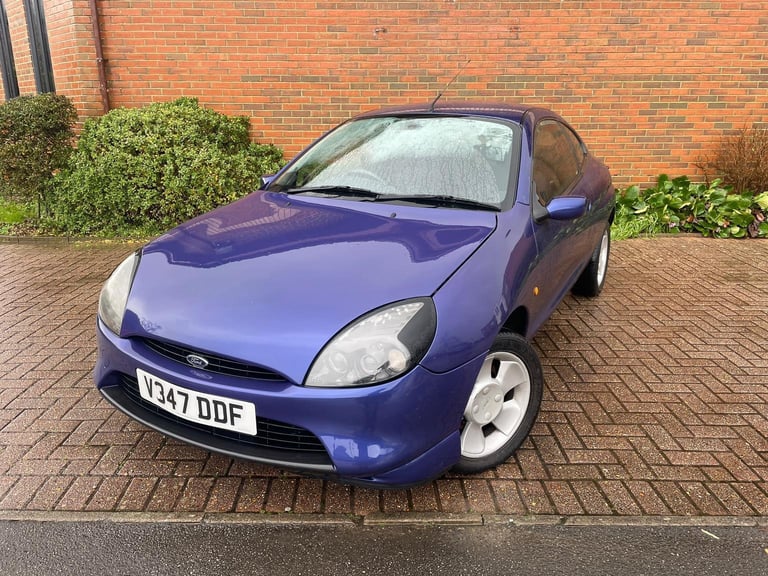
column 473, row 304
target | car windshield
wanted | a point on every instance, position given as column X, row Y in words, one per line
column 401, row 158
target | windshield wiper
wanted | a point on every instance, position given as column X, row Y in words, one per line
column 439, row 200
column 428, row 199
column 335, row 191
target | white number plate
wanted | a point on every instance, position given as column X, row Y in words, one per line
column 216, row 411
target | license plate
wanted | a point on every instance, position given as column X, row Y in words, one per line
column 209, row 409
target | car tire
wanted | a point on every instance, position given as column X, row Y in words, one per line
column 502, row 406
column 592, row 280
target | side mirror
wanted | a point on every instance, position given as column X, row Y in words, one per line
column 266, row 180
column 567, row 207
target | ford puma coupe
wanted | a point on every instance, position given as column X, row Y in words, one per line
column 366, row 315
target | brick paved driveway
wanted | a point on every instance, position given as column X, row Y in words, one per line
column 656, row 402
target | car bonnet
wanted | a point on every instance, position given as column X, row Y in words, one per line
column 270, row 279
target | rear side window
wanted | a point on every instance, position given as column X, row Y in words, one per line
column 558, row 156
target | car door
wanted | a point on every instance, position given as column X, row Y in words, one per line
column 558, row 163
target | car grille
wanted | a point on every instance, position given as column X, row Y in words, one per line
column 271, row 435
column 216, row 364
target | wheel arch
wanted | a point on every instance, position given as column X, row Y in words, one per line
column 517, row 322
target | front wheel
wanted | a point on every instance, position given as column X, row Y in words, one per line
column 592, row 280
column 502, row 406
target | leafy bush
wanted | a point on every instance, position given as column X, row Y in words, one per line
column 151, row 168
column 35, row 142
column 681, row 206
column 741, row 160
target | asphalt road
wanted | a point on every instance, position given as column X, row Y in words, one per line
column 107, row 548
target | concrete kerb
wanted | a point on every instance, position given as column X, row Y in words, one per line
column 426, row 519
column 126, row 517
column 422, row 519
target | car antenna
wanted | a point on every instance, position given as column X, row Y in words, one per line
column 439, row 94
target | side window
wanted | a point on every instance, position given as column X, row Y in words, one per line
column 38, row 46
column 557, row 159
column 10, row 84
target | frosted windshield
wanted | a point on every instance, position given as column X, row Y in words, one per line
column 463, row 157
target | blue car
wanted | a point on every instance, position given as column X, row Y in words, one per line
column 366, row 315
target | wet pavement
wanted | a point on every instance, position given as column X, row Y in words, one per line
column 39, row 549
column 656, row 404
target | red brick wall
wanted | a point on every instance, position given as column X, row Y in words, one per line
column 73, row 54
column 649, row 84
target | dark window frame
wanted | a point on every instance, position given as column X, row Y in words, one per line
column 7, row 63
column 40, row 50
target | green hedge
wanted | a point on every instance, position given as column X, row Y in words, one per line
column 35, row 142
column 678, row 205
column 151, row 168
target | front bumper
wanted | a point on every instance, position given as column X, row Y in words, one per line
column 403, row 432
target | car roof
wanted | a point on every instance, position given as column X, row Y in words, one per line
column 502, row 110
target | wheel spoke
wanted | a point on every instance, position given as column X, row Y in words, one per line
column 472, row 439
column 485, row 372
column 509, row 418
column 512, row 373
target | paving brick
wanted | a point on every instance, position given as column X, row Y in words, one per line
column 650, row 502
column 752, row 494
column 188, row 468
column 217, row 465
column 591, row 498
column 138, row 493
column 641, row 415
column 737, row 467
column 79, row 493
column 338, row 498
column 535, row 498
column 730, row 498
column 147, row 467
column 395, row 501
column 9, row 456
column 194, row 495
column 30, row 467
column 575, row 471
column 479, row 496
column 531, row 464
column 6, row 482
column 281, row 494
column 549, row 449
column 619, row 497
column 309, row 496
column 108, row 494
column 22, row 492
column 563, row 498
column 675, row 498
column 223, row 494
column 365, row 501
column 450, row 493
column 49, row 494
column 705, row 502
column 253, row 495
column 507, row 497
column 634, row 465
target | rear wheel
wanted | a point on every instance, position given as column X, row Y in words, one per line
column 502, row 406
column 592, row 280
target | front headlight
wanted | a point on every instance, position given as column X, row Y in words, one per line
column 380, row 346
column 114, row 294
